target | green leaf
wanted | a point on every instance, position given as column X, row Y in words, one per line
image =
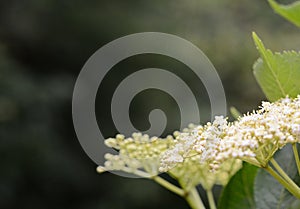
column 291, row 12
column 277, row 74
column 295, row 205
column 269, row 193
column 239, row 191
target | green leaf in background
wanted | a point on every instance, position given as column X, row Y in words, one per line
column 295, row 205
column 239, row 191
column 269, row 193
column 291, row 12
column 277, row 74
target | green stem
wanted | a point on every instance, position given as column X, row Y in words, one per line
column 252, row 161
column 211, row 200
column 296, row 155
column 194, row 199
column 284, row 175
column 192, row 196
column 169, row 186
column 283, row 182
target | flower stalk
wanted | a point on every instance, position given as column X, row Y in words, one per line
column 294, row 190
column 194, row 199
column 296, row 155
column 291, row 184
column 211, row 200
column 169, row 186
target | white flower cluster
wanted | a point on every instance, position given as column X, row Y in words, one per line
column 254, row 137
column 182, row 148
column 185, row 165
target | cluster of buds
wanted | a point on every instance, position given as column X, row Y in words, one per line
column 137, row 153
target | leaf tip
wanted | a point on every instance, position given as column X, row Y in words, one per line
column 259, row 44
column 273, row 3
column 257, row 40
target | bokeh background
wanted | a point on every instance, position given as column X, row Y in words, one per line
column 44, row 44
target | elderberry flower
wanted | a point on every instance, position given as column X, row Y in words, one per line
column 181, row 149
column 183, row 162
column 270, row 128
column 254, row 137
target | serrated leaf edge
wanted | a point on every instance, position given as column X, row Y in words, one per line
column 263, row 51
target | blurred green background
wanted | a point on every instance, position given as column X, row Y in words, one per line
column 44, row 44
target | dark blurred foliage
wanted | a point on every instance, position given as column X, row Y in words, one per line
column 44, row 44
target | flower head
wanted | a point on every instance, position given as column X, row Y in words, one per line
column 254, row 137
column 184, row 163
